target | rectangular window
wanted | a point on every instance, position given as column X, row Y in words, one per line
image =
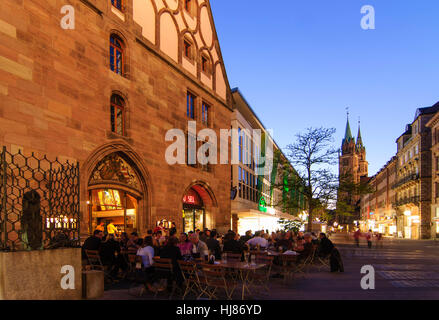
column 188, row 49
column 117, row 121
column 240, row 144
column 117, row 4
column 205, row 109
column 190, row 106
column 191, row 146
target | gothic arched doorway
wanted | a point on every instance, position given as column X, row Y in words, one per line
column 116, row 195
column 199, row 205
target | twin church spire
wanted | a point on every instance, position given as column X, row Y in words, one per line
column 348, row 138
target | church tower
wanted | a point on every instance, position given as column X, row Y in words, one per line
column 352, row 164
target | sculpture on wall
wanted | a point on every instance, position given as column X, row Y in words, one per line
column 115, row 168
column 31, row 220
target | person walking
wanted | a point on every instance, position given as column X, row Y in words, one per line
column 357, row 236
column 369, row 236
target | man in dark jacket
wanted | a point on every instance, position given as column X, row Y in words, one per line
column 214, row 245
column 325, row 246
column 92, row 243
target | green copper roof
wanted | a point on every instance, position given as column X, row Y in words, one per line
column 359, row 139
column 348, row 134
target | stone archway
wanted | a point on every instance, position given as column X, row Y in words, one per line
column 116, row 166
column 202, row 211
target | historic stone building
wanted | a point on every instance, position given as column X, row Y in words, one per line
column 106, row 92
column 433, row 124
column 378, row 208
column 414, row 172
column 354, row 167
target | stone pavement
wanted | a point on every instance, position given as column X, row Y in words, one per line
column 404, row 270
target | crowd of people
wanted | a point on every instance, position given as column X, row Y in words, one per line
column 205, row 244
column 369, row 236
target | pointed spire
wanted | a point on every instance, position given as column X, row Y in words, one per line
column 359, row 138
column 348, row 134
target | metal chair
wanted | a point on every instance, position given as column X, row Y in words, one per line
column 261, row 277
column 191, row 278
column 164, row 270
column 212, row 279
column 95, row 263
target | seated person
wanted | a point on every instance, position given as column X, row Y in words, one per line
column 171, row 251
column 258, row 240
column 147, row 255
column 92, row 243
column 185, row 245
column 325, row 247
column 307, row 249
column 231, row 245
column 109, row 252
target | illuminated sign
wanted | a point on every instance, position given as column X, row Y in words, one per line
column 262, row 205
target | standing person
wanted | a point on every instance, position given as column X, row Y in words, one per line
column 379, row 240
column 173, row 230
column 111, row 229
column 357, row 236
column 101, row 226
column 158, row 228
column 369, row 236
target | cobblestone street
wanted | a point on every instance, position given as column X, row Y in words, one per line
column 404, row 269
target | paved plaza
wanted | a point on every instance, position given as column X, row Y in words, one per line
column 405, row 269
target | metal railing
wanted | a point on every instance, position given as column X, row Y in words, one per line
column 403, row 181
column 39, row 202
column 408, row 200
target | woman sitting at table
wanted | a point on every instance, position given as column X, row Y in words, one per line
column 185, row 246
column 306, row 250
column 172, row 251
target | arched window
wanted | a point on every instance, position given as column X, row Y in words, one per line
column 116, row 54
column 117, row 114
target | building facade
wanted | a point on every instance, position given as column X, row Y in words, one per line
column 414, row 171
column 377, row 209
column 433, row 124
column 104, row 92
column 257, row 205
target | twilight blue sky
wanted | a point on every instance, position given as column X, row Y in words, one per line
column 301, row 63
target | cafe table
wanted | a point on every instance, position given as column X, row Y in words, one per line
column 244, row 269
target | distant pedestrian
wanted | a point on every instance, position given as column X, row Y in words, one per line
column 369, row 236
column 380, row 240
column 357, row 236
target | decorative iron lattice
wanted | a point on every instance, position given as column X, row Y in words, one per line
column 39, row 202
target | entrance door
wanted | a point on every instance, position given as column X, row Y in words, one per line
column 112, row 206
column 193, row 219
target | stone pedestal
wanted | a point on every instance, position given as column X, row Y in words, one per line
column 93, row 284
column 41, row 275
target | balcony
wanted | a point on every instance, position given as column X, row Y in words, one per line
column 409, row 178
column 409, row 200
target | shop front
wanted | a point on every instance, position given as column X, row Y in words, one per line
column 412, row 224
column 194, row 212
column 255, row 220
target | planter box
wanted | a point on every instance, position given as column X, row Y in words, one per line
column 36, row 275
